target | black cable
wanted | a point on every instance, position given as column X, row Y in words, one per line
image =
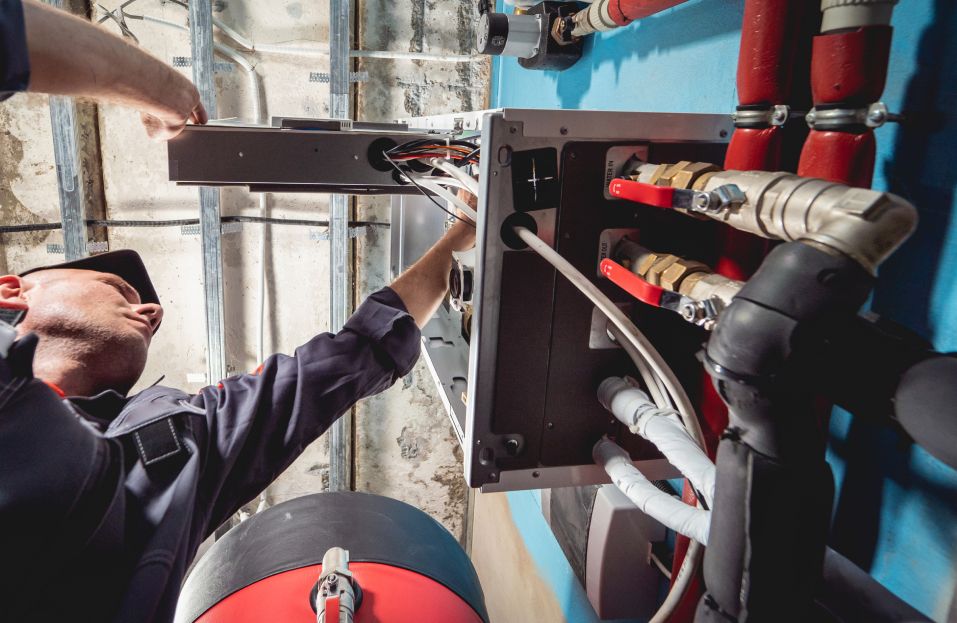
column 15, row 229
column 423, row 191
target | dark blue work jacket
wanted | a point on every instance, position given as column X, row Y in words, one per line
column 105, row 500
column 14, row 61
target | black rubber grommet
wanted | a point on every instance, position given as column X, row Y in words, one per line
column 518, row 219
column 377, row 160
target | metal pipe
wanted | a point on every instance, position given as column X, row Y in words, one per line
column 865, row 225
column 415, row 56
column 340, row 439
column 201, row 39
column 604, row 15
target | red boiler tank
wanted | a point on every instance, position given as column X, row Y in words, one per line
column 402, row 566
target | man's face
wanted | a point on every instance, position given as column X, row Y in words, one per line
column 100, row 314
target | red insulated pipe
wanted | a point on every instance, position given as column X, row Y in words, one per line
column 839, row 157
column 768, row 43
column 624, row 12
column 850, row 67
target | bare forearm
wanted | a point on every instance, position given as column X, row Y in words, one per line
column 71, row 56
column 423, row 286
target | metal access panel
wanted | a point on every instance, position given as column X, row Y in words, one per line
column 525, row 406
column 300, row 155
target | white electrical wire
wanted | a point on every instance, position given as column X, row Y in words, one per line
column 470, row 182
column 448, row 196
column 640, row 349
column 442, row 181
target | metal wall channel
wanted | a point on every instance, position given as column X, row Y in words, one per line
column 63, row 120
column 201, row 35
column 340, row 441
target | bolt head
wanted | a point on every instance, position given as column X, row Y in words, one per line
column 876, row 116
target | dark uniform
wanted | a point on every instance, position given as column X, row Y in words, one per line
column 14, row 61
column 105, row 500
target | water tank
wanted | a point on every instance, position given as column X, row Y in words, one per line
column 407, row 566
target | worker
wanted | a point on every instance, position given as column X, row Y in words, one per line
column 46, row 50
column 105, row 497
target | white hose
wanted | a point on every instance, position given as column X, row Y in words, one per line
column 414, row 56
column 448, row 196
column 662, row 427
column 471, row 184
column 692, row 522
column 442, row 181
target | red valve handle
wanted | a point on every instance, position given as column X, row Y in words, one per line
column 632, row 283
column 640, row 192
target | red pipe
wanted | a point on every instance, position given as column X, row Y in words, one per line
column 839, row 157
column 771, row 34
column 848, row 70
column 624, row 12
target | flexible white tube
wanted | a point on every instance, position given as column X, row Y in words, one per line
column 442, row 181
column 662, row 427
column 445, row 194
column 444, row 165
column 692, row 522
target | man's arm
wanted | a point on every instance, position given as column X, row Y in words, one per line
column 71, row 56
column 424, row 285
column 258, row 424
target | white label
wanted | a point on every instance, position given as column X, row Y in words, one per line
column 615, row 161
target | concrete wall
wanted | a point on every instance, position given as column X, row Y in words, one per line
column 405, row 446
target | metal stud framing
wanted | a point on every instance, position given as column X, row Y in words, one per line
column 201, row 35
column 340, row 440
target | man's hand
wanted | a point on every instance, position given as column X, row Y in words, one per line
column 166, row 123
column 425, row 284
column 461, row 235
column 71, row 56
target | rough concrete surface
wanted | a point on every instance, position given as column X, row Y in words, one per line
column 405, row 445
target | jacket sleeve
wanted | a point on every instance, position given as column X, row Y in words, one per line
column 257, row 424
column 14, row 59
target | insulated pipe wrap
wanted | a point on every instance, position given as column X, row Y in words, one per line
column 604, row 15
column 768, row 44
column 850, row 68
column 673, row 513
column 842, row 157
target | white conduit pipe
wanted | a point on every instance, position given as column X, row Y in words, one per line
column 414, row 56
column 662, row 427
column 471, row 184
column 692, row 522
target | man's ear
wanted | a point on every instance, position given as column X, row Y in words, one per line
column 11, row 292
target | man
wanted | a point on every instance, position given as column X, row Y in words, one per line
column 46, row 50
column 104, row 497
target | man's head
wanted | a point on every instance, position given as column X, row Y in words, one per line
column 94, row 327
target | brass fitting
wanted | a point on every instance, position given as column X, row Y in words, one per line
column 684, row 174
column 673, row 276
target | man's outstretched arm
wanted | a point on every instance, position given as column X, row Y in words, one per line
column 71, row 56
column 424, row 285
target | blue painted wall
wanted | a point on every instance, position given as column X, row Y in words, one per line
column 896, row 509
